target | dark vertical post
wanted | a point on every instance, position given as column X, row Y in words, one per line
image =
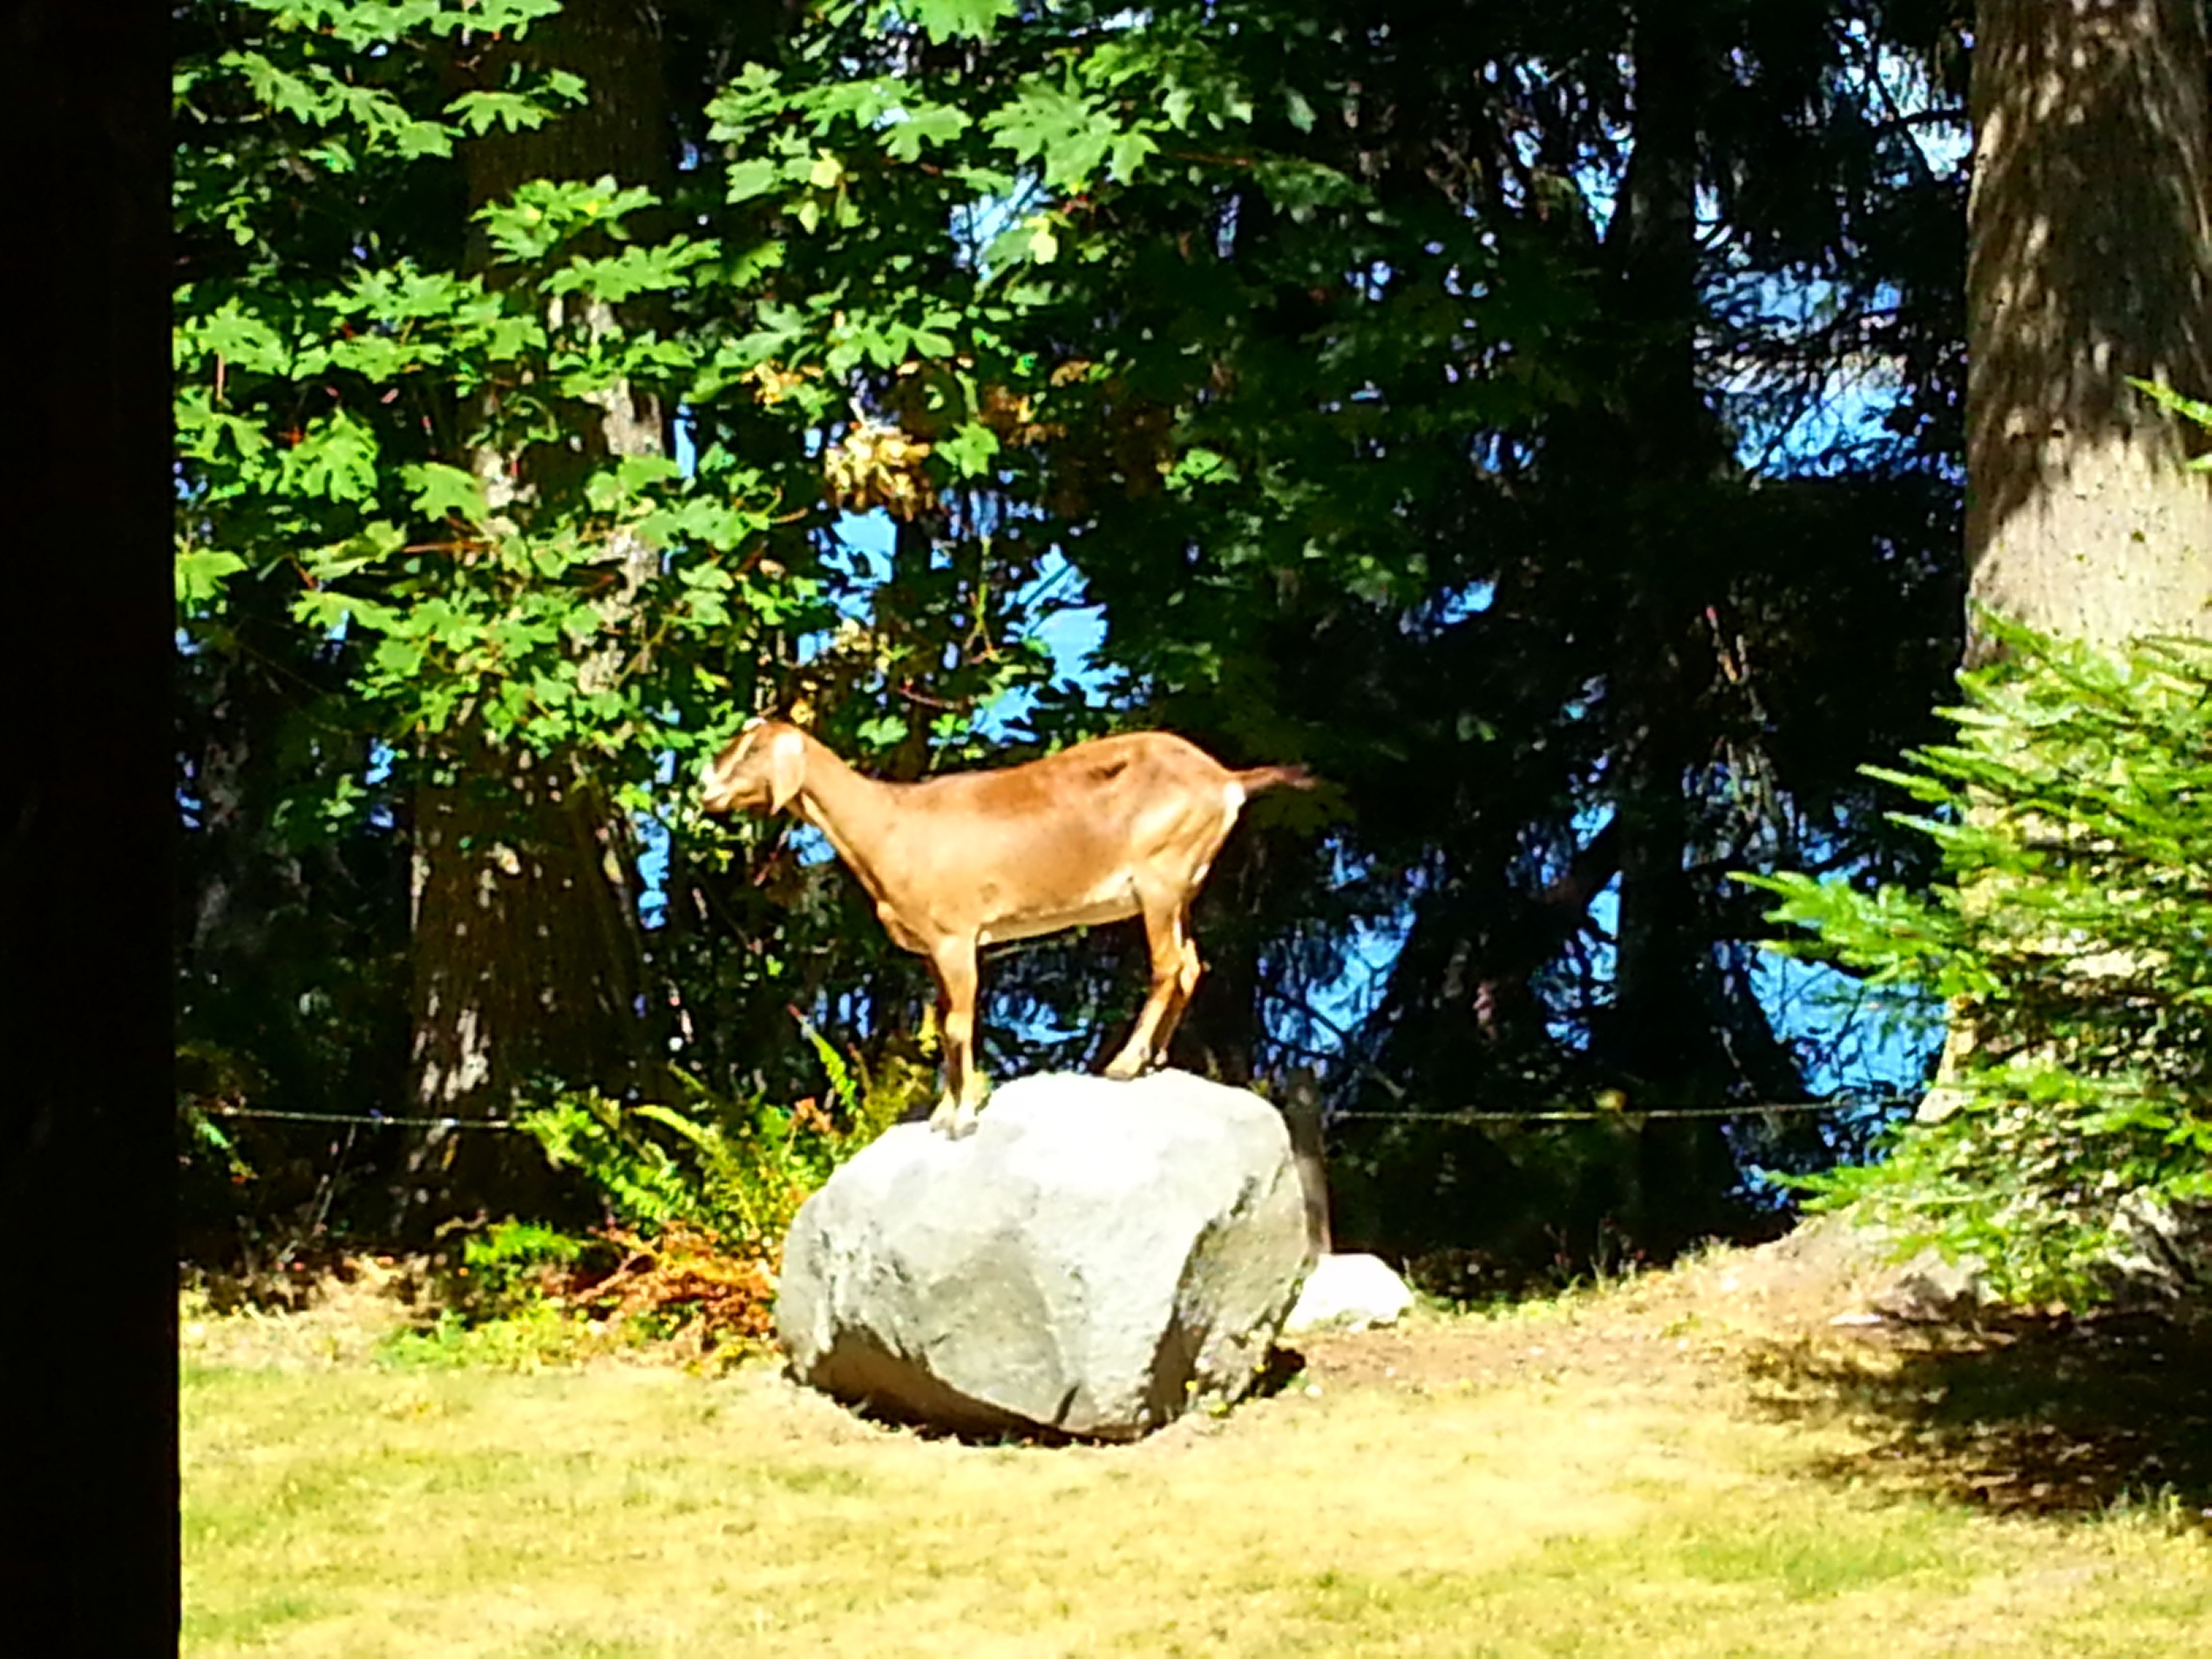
column 87, row 1158
column 1302, row 1116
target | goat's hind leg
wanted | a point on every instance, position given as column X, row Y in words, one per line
column 1174, row 976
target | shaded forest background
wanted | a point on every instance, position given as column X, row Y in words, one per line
column 1545, row 422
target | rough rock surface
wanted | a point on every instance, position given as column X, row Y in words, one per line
column 1927, row 1289
column 1096, row 1258
column 2164, row 1256
column 2164, row 1260
column 1350, row 1293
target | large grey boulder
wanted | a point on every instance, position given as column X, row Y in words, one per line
column 1096, row 1258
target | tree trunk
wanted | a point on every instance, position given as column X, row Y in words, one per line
column 1662, row 1024
column 1220, row 1030
column 528, row 966
column 2089, row 257
column 2089, row 262
column 1302, row 1119
column 528, row 952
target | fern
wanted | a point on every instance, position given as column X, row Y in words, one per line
column 643, row 1183
column 841, row 1088
column 740, row 1170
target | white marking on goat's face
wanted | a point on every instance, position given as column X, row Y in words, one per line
column 728, row 782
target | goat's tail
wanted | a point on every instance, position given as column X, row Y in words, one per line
column 1275, row 777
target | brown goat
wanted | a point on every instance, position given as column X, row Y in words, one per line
column 1124, row 826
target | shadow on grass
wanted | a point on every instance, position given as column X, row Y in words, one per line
column 1282, row 1366
column 2027, row 1414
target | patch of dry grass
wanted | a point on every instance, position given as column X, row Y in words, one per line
column 1599, row 1476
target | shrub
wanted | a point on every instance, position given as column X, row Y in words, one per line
column 512, row 1266
column 2073, row 946
column 687, row 1287
column 701, row 1199
column 525, row 1338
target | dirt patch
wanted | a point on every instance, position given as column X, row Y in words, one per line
column 1668, row 1326
column 1432, row 1351
column 2025, row 1411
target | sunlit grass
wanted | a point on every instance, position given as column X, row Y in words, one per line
column 337, row 1505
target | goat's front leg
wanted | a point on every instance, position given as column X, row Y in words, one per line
column 954, row 964
column 1174, row 976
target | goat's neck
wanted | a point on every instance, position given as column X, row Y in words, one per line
column 851, row 810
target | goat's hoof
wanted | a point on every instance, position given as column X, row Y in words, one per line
column 953, row 1123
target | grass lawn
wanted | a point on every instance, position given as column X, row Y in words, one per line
column 1694, row 1463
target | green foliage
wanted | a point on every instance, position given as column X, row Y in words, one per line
column 739, row 1171
column 502, row 1300
column 528, row 1336
column 203, row 1135
column 1303, row 342
column 701, row 1201
column 511, row 1266
column 331, row 404
column 641, row 1179
column 2072, row 943
column 209, row 1078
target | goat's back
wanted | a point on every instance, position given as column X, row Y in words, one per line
column 1128, row 759
column 1065, row 839
column 1105, row 776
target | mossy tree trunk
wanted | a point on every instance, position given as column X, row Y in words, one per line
column 529, row 959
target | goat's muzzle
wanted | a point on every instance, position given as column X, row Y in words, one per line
column 718, row 790
column 721, row 795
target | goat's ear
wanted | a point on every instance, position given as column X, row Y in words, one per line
column 787, row 769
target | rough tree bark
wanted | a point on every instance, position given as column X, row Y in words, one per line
column 2089, row 262
column 528, row 953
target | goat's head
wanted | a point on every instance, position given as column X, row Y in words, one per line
column 759, row 770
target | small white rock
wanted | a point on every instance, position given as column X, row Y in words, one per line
column 1350, row 1293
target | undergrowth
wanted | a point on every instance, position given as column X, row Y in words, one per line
column 698, row 1202
column 2070, row 1127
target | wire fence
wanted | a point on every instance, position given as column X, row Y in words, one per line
column 1633, row 1113
column 1625, row 1113
column 379, row 1120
